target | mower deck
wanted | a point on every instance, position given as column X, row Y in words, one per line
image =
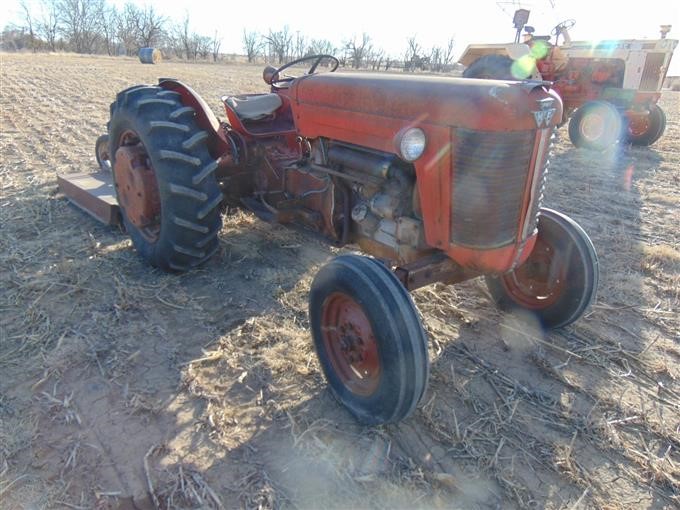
column 93, row 193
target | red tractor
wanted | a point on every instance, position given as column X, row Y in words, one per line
column 438, row 179
column 610, row 89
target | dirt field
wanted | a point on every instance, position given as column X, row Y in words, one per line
column 118, row 381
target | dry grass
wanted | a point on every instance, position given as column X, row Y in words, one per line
column 104, row 359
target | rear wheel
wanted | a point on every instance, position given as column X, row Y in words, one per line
column 646, row 129
column 596, row 125
column 164, row 178
column 558, row 281
column 490, row 67
column 369, row 339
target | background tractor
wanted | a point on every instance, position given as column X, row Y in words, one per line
column 438, row 179
column 610, row 89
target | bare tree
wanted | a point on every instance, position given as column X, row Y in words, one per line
column 149, row 27
column 216, row 43
column 203, row 45
column 358, row 51
column 252, row 44
column 279, row 44
column 108, row 23
column 48, row 24
column 127, row 24
column 375, row 59
column 441, row 57
column 80, row 20
column 300, row 45
column 320, row 47
column 28, row 19
column 187, row 40
column 413, row 58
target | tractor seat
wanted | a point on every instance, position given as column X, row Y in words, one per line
column 253, row 106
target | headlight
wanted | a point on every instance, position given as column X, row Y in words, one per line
column 411, row 144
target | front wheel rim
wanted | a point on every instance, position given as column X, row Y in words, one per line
column 540, row 281
column 349, row 340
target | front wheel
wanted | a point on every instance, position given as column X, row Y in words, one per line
column 597, row 125
column 646, row 129
column 369, row 339
column 558, row 281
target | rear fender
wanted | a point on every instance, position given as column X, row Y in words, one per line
column 218, row 143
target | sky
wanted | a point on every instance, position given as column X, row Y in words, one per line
column 391, row 23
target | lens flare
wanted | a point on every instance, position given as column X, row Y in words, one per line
column 539, row 50
column 523, row 67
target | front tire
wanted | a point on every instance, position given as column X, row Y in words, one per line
column 558, row 282
column 597, row 125
column 369, row 339
column 164, row 178
column 646, row 131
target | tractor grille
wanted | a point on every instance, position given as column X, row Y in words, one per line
column 651, row 75
column 489, row 180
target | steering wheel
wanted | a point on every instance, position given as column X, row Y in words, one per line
column 567, row 24
column 277, row 81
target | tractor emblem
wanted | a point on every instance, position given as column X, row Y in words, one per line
column 546, row 112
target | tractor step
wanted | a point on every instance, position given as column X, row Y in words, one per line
column 93, row 193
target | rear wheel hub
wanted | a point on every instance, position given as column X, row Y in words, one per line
column 137, row 187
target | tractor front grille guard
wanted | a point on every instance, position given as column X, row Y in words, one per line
column 545, row 152
column 490, row 172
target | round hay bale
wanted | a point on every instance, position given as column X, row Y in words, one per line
column 150, row 55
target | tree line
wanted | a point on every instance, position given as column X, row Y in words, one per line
column 357, row 52
column 94, row 26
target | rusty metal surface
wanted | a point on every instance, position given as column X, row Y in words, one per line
column 93, row 193
column 348, row 100
column 436, row 267
column 137, row 186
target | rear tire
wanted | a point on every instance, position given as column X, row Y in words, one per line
column 558, row 282
column 188, row 219
column 597, row 125
column 652, row 130
column 491, row 67
column 369, row 339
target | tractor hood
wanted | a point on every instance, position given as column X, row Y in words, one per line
column 364, row 101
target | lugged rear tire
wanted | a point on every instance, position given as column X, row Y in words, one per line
column 184, row 171
column 369, row 339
